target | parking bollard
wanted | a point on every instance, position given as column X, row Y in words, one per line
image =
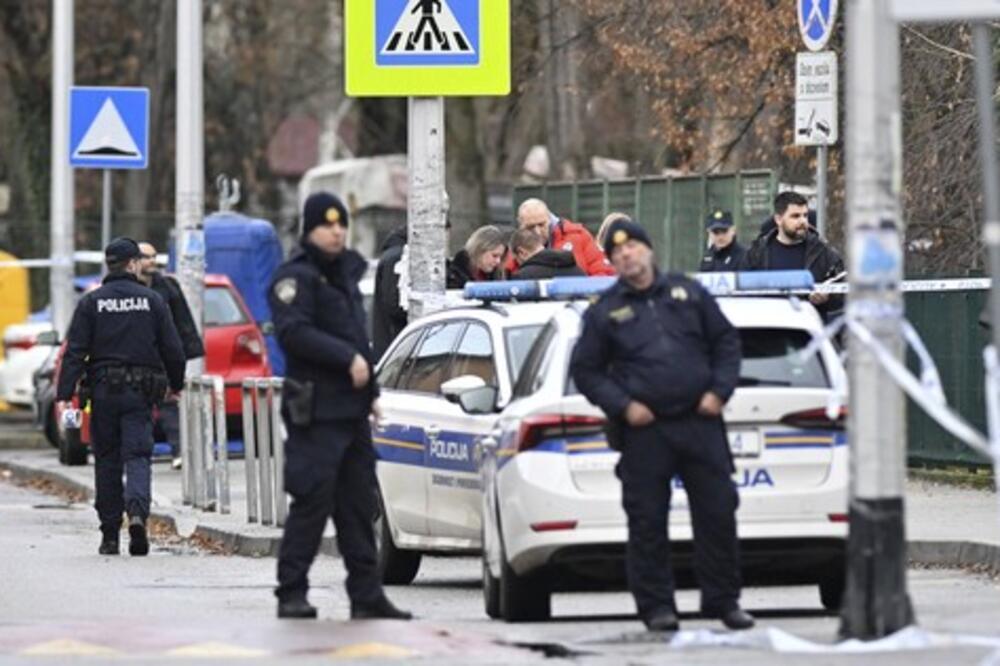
column 250, row 448
column 184, row 417
column 221, row 442
column 278, row 452
column 196, row 439
column 263, row 395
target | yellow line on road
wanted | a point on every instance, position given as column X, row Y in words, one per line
column 67, row 647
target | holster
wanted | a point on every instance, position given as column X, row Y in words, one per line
column 298, row 397
column 84, row 391
column 115, row 377
column 614, row 430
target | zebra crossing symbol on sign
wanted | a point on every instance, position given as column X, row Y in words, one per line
column 427, row 32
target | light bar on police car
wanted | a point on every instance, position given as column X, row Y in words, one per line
column 504, row 290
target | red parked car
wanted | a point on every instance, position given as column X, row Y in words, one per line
column 234, row 349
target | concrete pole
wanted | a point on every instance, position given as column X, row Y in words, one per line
column 427, row 207
column 822, row 152
column 876, row 601
column 985, row 91
column 189, row 197
column 61, row 190
column 106, row 208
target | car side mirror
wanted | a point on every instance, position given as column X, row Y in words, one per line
column 453, row 389
column 482, row 400
column 47, row 338
column 266, row 327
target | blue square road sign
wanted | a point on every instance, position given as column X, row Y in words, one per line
column 109, row 128
column 427, row 32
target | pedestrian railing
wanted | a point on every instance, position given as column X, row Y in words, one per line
column 264, row 451
column 204, row 444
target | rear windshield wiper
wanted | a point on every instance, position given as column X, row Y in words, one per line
column 757, row 381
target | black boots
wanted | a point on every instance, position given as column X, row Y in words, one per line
column 138, row 543
column 665, row 620
column 296, row 609
column 381, row 609
column 109, row 543
column 737, row 619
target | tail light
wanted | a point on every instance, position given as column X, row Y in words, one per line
column 541, row 427
column 248, row 348
column 553, row 526
column 837, row 517
column 26, row 342
column 815, row 419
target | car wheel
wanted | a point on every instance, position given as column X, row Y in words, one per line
column 51, row 427
column 522, row 598
column 72, row 451
column 491, row 591
column 831, row 592
column 395, row 566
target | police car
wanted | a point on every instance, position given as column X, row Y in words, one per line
column 549, row 514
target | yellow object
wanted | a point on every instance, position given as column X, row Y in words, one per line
column 372, row 651
column 488, row 73
column 65, row 647
column 14, row 295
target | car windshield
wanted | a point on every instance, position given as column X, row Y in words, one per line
column 770, row 358
column 222, row 308
column 519, row 340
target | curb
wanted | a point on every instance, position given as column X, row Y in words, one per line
column 982, row 556
column 22, row 473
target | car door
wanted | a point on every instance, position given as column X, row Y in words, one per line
column 411, row 402
column 455, row 484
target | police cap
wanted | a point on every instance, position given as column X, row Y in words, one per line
column 719, row 219
column 622, row 231
column 322, row 208
column 121, row 249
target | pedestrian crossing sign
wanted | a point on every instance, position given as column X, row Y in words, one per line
column 109, row 127
column 427, row 47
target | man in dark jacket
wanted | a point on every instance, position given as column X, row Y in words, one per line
column 388, row 316
column 170, row 292
column 725, row 253
column 330, row 392
column 536, row 262
column 794, row 245
column 659, row 357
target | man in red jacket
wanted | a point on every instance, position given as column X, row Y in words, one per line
column 561, row 234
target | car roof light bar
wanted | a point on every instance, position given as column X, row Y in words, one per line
column 570, row 288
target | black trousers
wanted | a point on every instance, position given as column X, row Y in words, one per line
column 121, row 433
column 695, row 449
column 330, row 473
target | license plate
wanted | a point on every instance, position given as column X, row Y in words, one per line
column 744, row 443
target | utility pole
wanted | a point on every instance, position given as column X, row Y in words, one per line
column 427, row 204
column 189, row 196
column 876, row 601
column 61, row 188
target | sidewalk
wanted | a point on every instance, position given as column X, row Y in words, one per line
column 945, row 525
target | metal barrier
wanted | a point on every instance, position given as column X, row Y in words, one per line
column 264, row 451
column 204, row 444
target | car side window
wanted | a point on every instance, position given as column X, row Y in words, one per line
column 528, row 381
column 392, row 369
column 474, row 355
column 432, row 361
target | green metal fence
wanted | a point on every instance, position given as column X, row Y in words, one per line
column 671, row 209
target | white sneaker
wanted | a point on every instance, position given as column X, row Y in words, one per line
column 176, row 463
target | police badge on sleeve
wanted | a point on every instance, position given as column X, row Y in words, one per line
column 285, row 290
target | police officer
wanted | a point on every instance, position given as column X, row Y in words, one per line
column 123, row 338
column 329, row 394
column 658, row 356
column 724, row 252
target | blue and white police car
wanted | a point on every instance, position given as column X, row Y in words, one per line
column 516, row 464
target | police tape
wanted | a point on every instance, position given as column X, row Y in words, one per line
column 907, row 286
column 79, row 257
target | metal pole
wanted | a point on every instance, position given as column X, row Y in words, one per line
column 876, row 602
column 106, row 209
column 221, row 441
column 822, row 153
column 189, row 193
column 427, row 206
column 197, row 445
column 278, row 449
column 208, row 439
column 261, row 388
column 250, row 449
column 61, row 202
column 985, row 90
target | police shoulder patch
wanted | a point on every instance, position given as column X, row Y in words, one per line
column 622, row 314
column 286, row 289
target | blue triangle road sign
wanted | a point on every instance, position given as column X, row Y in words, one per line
column 109, row 128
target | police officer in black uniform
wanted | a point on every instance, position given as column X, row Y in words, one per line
column 724, row 254
column 660, row 358
column 329, row 394
column 123, row 338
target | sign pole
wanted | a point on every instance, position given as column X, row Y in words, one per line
column 61, row 190
column 427, row 204
column 106, row 210
column 822, row 153
column 876, row 601
column 189, row 194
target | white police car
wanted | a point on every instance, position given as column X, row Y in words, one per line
column 550, row 503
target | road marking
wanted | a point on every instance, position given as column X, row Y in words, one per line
column 370, row 651
column 67, row 646
column 214, row 649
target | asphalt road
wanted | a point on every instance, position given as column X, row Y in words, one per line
column 60, row 601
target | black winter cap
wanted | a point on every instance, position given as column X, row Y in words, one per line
column 622, row 231
column 121, row 249
column 322, row 208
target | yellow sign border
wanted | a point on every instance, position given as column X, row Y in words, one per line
column 364, row 78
